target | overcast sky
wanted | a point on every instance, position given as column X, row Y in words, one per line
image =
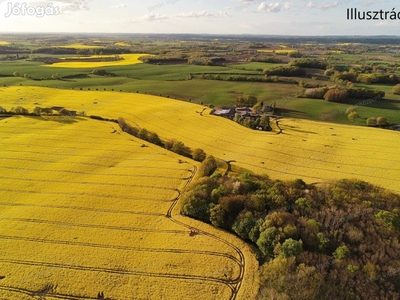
column 281, row 17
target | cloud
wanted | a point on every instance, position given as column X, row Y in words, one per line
column 119, row 6
column 72, row 5
column 152, row 17
column 326, row 6
column 202, row 14
column 311, row 4
column 274, row 7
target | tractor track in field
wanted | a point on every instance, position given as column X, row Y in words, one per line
column 88, row 195
column 142, row 186
column 107, row 227
column 227, row 282
column 101, row 175
column 136, row 249
column 242, row 262
column 12, row 151
column 49, row 294
column 233, row 284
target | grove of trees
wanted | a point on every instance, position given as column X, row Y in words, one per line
column 338, row 240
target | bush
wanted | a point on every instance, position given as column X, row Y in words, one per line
column 199, row 155
column 19, row 110
column 208, row 166
column 372, row 121
column 381, row 121
column 336, row 95
column 247, row 100
column 309, row 63
column 289, row 71
column 396, row 89
column 317, row 93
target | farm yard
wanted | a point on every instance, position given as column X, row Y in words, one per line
column 87, row 211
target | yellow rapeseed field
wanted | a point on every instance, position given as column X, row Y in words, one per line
column 78, row 46
column 122, row 44
column 313, row 151
column 278, row 51
column 84, row 209
column 128, row 59
column 4, row 43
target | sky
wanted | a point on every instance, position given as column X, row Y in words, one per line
column 276, row 17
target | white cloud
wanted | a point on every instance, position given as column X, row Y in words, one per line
column 272, row 7
column 202, row 14
column 311, row 4
column 119, row 6
column 326, row 6
column 150, row 18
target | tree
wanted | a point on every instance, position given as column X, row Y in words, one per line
column 353, row 115
column 199, row 155
column 64, row 112
column 217, row 216
column 16, row 74
column 243, row 225
column 154, row 138
column 267, row 241
column 265, row 122
column 381, row 121
column 336, row 95
column 257, row 107
column 291, row 247
column 19, row 110
column 37, row 110
column 290, row 231
column 396, row 89
column 208, row 166
column 372, row 121
column 323, row 242
column 247, row 100
column 180, row 148
column 143, row 134
column 341, row 252
column 2, row 110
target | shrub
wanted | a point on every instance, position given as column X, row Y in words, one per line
column 381, row 121
column 317, row 93
column 199, row 155
column 19, row 110
column 208, row 166
column 336, row 95
column 396, row 89
column 372, row 121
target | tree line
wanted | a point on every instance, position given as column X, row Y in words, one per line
column 171, row 145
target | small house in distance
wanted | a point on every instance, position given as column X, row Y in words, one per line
column 225, row 111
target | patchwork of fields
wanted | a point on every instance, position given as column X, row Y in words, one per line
column 313, row 151
column 86, row 211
